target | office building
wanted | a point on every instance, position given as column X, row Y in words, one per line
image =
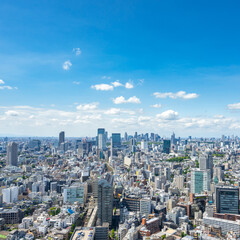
column 10, row 195
column 166, row 146
column 105, row 202
column 12, row 154
column 76, row 193
column 145, row 207
column 61, row 138
column 227, row 200
column 206, row 162
column 200, row 180
column 116, row 140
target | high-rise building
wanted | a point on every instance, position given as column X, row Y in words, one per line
column 125, row 137
column 12, row 154
column 200, row 180
column 179, row 181
column 61, row 138
column 227, row 200
column 105, row 202
column 76, row 193
column 116, row 139
column 173, row 139
column 101, row 139
column 10, row 195
column 144, row 145
column 132, row 145
column 145, row 207
column 206, row 162
column 166, row 146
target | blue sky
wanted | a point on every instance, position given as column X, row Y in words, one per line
column 60, row 61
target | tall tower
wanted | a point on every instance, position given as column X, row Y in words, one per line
column 105, row 202
column 12, row 154
column 206, row 162
column 61, row 138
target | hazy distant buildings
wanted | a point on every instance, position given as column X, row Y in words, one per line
column 12, row 154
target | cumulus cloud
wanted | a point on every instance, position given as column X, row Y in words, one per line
column 168, row 115
column 88, row 106
column 128, row 85
column 12, row 113
column 113, row 111
column 1, row 81
column 121, row 99
column 66, row 65
column 77, row 51
column 102, row 87
column 180, row 94
column 117, row 84
column 157, row 105
column 234, row 106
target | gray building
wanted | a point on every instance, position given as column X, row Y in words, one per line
column 61, row 138
column 105, row 202
column 12, row 154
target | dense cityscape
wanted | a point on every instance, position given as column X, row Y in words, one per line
column 140, row 186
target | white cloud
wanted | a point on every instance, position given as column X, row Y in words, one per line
column 102, row 87
column 88, row 106
column 168, row 115
column 1, row 81
column 77, row 51
column 128, row 85
column 66, row 65
column 113, row 111
column 180, row 94
column 234, row 106
column 121, row 99
column 12, row 113
column 7, row 87
column 117, row 84
column 157, row 105
column 76, row 82
column 118, row 111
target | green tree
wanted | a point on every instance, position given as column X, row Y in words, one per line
column 112, row 234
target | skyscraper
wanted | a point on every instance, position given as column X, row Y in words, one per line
column 61, row 138
column 105, row 202
column 116, row 139
column 101, row 143
column 206, row 162
column 200, row 180
column 166, row 146
column 227, row 200
column 12, row 154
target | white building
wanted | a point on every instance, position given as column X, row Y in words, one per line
column 76, row 193
column 10, row 195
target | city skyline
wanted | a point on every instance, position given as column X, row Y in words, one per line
column 157, row 67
